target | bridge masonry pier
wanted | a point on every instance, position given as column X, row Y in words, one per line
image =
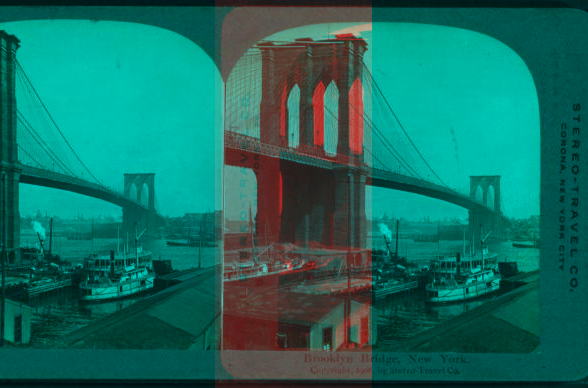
column 296, row 197
column 9, row 171
column 486, row 189
column 349, row 208
column 322, row 208
column 269, row 195
column 315, row 201
column 308, row 206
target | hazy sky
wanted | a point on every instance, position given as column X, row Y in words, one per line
column 129, row 98
column 467, row 101
column 135, row 98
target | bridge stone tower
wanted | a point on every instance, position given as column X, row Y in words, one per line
column 9, row 171
column 141, row 188
column 486, row 189
column 301, row 202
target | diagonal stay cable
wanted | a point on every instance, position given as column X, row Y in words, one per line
column 378, row 160
column 402, row 127
column 39, row 140
column 30, row 156
column 395, row 154
column 54, row 123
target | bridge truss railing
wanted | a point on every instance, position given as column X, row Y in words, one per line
column 316, row 156
column 243, row 142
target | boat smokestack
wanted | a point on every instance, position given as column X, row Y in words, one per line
column 41, row 243
column 388, row 245
column 458, row 259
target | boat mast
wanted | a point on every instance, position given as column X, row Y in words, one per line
column 50, row 236
column 118, row 245
column 438, row 238
column 137, row 237
column 251, row 227
column 266, row 244
column 92, row 237
column 388, row 246
column 482, row 245
column 463, row 241
column 397, row 225
column 136, row 248
column 473, row 246
column 464, row 250
column 200, row 247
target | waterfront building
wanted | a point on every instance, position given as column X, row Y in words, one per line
column 272, row 319
column 17, row 322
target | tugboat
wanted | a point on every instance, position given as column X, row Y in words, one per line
column 116, row 276
column 393, row 277
column 453, row 280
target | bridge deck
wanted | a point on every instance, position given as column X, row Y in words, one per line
column 375, row 176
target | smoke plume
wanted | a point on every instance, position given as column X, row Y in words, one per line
column 39, row 229
column 385, row 231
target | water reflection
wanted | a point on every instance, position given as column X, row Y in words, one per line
column 403, row 316
column 58, row 315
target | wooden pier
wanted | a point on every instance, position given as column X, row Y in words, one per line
column 48, row 287
column 337, row 286
column 395, row 288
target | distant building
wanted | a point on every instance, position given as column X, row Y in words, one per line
column 192, row 224
column 17, row 322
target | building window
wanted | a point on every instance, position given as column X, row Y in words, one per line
column 281, row 341
column 328, row 339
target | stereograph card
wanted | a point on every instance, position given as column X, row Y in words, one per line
column 310, row 194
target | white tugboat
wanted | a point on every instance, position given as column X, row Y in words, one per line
column 116, row 276
column 452, row 279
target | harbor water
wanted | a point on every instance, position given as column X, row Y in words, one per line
column 61, row 312
column 398, row 316
column 405, row 315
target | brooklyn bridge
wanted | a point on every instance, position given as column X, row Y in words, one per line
column 314, row 147
column 41, row 155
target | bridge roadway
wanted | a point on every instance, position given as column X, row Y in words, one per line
column 375, row 176
column 46, row 178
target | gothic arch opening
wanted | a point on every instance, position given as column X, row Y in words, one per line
column 145, row 195
column 294, row 117
column 490, row 195
column 331, row 116
column 133, row 192
column 479, row 194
